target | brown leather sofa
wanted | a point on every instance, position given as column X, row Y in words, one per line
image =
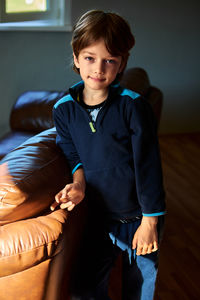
column 39, row 248
column 31, row 114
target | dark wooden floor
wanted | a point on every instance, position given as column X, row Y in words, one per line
column 179, row 268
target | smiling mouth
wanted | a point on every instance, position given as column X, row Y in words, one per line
column 97, row 79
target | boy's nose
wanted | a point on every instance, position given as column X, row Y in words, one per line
column 99, row 68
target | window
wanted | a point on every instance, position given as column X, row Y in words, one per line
column 35, row 15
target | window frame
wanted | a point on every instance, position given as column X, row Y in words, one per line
column 56, row 18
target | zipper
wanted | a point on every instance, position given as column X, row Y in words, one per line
column 92, row 124
column 92, row 127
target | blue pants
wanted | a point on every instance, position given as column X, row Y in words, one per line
column 138, row 272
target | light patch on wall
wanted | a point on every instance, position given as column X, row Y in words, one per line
column 19, row 6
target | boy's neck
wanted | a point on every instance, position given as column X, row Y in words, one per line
column 91, row 97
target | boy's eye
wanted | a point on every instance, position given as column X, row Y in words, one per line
column 89, row 58
column 110, row 61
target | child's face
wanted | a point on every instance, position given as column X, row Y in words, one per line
column 98, row 68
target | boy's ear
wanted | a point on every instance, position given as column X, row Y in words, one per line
column 76, row 61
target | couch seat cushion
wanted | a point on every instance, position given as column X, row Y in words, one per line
column 12, row 140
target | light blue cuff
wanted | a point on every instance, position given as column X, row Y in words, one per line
column 155, row 214
column 76, row 167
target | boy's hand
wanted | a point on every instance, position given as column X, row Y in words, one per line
column 71, row 195
column 146, row 237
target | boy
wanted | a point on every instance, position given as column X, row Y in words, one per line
column 108, row 135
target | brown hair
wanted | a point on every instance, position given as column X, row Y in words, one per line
column 112, row 28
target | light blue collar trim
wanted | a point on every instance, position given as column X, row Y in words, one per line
column 63, row 100
column 78, row 83
column 133, row 95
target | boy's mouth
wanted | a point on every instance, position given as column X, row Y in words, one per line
column 97, row 79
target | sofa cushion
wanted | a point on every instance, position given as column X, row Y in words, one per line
column 30, row 176
column 33, row 111
column 27, row 243
column 136, row 79
column 12, row 140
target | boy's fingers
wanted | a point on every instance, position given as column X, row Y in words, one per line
column 63, row 206
column 67, row 205
column 54, row 205
column 62, row 197
column 155, row 247
column 63, row 194
column 71, row 207
column 145, row 249
column 134, row 243
column 68, row 188
column 57, row 197
column 142, row 249
column 139, row 249
column 149, row 250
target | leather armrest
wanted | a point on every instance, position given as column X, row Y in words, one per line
column 30, row 176
column 29, row 242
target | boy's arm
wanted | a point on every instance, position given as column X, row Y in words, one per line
column 148, row 175
column 146, row 157
column 72, row 194
column 64, row 139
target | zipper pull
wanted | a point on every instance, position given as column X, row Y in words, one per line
column 92, row 127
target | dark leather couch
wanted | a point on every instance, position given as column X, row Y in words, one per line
column 31, row 114
column 38, row 248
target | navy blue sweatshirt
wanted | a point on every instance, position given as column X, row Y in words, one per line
column 119, row 152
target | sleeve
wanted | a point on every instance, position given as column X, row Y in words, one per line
column 64, row 139
column 146, row 156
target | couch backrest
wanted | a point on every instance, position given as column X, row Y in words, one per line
column 30, row 176
column 136, row 79
column 33, row 111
